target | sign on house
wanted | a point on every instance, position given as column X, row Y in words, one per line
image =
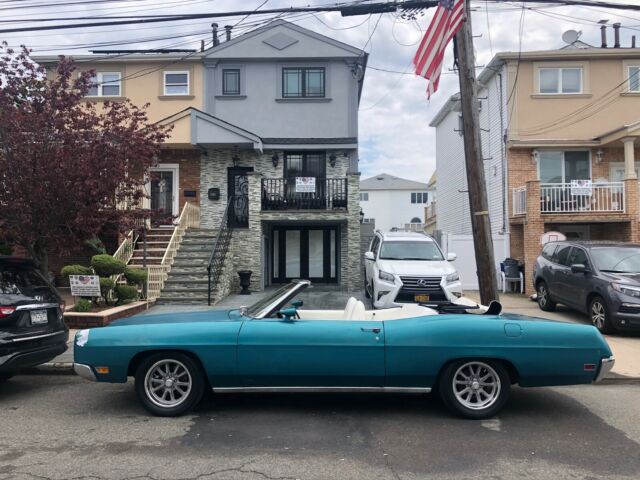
column 305, row 184
column 581, row 187
column 84, row 285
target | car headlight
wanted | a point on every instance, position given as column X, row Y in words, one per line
column 387, row 277
column 452, row 278
column 626, row 289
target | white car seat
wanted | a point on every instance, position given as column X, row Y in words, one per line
column 358, row 312
column 348, row 311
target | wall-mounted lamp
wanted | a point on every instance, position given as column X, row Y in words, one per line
column 332, row 159
column 236, row 160
column 274, row 159
column 535, row 155
column 599, row 155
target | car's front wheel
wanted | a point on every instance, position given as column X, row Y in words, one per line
column 544, row 300
column 475, row 389
column 169, row 384
column 599, row 314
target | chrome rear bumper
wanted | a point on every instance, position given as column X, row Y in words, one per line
column 606, row 364
column 84, row 371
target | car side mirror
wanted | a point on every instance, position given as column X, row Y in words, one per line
column 451, row 257
column 369, row 256
column 288, row 313
column 579, row 268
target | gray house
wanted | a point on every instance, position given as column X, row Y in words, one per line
column 279, row 153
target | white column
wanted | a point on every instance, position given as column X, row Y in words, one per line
column 629, row 160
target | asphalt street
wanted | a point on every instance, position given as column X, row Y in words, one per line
column 63, row 427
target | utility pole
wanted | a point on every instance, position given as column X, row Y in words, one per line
column 478, row 204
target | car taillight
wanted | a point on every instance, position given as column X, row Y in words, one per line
column 6, row 311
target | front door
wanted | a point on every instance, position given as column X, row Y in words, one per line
column 311, row 353
column 162, row 197
column 304, row 252
column 238, row 193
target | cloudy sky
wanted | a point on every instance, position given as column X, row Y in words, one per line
column 395, row 136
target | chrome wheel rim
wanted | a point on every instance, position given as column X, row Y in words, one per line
column 168, row 383
column 597, row 314
column 542, row 295
column 476, row 385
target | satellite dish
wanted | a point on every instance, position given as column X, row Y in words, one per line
column 571, row 36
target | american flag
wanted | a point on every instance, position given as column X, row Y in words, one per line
column 444, row 25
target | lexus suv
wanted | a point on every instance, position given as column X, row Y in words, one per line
column 32, row 330
column 408, row 267
column 601, row 279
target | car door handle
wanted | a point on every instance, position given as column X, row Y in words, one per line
column 372, row 330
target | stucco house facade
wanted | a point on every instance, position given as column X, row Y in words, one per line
column 264, row 141
column 560, row 143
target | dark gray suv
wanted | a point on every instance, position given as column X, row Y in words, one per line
column 597, row 278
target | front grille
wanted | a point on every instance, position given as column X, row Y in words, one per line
column 412, row 286
column 629, row 309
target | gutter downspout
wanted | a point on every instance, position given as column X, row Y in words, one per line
column 505, row 168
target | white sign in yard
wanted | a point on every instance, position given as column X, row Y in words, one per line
column 84, row 285
column 581, row 187
column 305, row 184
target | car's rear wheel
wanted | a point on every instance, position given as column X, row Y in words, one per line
column 474, row 389
column 544, row 300
column 169, row 384
column 599, row 315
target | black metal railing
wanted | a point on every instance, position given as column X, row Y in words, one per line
column 219, row 252
column 287, row 194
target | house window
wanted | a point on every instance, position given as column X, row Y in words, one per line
column 368, row 220
column 303, row 82
column 634, row 78
column 105, row 84
column 231, row 81
column 364, row 196
column 563, row 167
column 176, row 83
column 419, row 197
column 560, row 80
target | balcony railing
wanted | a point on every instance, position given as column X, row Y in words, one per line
column 289, row 194
column 588, row 198
column 519, row 200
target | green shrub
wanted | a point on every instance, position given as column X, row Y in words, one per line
column 106, row 285
column 75, row 270
column 135, row 276
column 126, row 292
column 106, row 265
column 82, row 305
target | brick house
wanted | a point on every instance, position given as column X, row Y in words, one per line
column 560, row 130
column 264, row 144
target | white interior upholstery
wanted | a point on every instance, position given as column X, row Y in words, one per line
column 348, row 311
column 356, row 310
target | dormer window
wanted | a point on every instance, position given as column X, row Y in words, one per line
column 303, row 82
column 105, row 84
column 176, row 83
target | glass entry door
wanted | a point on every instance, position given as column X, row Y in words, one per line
column 162, row 197
column 304, row 252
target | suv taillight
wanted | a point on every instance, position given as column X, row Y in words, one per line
column 6, row 311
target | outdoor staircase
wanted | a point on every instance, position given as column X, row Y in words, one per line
column 157, row 242
column 188, row 279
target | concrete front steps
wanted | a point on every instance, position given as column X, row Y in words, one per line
column 157, row 242
column 188, row 280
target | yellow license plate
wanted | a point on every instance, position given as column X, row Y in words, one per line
column 421, row 298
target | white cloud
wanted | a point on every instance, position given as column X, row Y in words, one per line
column 394, row 133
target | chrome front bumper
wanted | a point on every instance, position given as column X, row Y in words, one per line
column 84, row 371
column 606, row 364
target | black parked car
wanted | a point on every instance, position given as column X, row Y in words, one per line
column 597, row 278
column 32, row 330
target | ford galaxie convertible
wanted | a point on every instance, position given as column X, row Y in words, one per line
column 276, row 346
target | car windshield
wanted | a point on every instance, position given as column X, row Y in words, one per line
column 275, row 300
column 19, row 283
column 402, row 250
column 617, row 259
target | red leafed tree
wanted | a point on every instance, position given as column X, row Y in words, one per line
column 66, row 165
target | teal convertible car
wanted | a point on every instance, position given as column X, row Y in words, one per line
column 276, row 346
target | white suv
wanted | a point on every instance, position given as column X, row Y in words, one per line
column 408, row 267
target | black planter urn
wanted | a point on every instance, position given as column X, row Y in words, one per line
column 245, row 281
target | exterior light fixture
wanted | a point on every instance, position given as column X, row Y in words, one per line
column 332, row 159
column 535, row 155
column 236, row 160
column 274, row 159
column 599, row 155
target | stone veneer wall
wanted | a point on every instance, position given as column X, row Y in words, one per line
column 246, row 251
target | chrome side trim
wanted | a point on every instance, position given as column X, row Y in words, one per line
column 606, row 364
column 35, row 337
column 84, row 371
column 36, row 306
column 322, row 389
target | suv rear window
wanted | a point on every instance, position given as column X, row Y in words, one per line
column 20, row 282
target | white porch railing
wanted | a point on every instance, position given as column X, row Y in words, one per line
column 157, row 274
column 593, row 198
column 414, row 227
column 519, row 200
